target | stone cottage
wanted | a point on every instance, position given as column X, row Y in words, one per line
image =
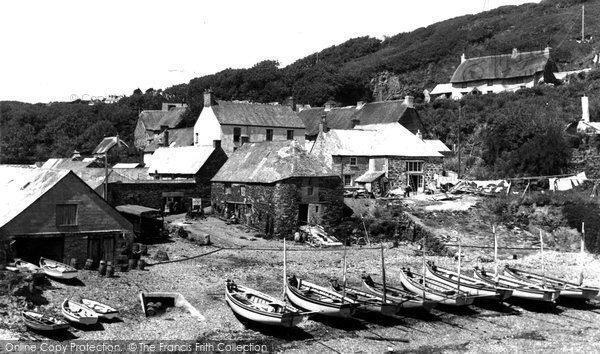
column 276, row 187
column 379, row 157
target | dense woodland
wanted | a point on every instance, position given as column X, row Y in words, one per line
column 502, row 135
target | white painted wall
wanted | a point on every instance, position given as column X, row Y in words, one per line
column 207, row 127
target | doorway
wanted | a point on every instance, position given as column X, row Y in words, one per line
column 416, row 182
column 302, row 214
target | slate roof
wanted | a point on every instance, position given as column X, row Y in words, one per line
column 256, row 114
column 187, row 160
column 66, row 164
column 106, row 144
column 270, row 162
column 154, row 119
column 138, row 210
column 20, row 187
column 502, row 66
column 373, row 140
column 370, row 113
column 177, row 138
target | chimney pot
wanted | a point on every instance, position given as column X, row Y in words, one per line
column 360, row 104
column 585, row 109
column 409, row 101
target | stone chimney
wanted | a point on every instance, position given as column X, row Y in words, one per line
column 327, row 106
column 292, row 103
column 207, row 98
column 164, row 129
column 547, row 50
column 360, row 104
column 463, row 58
column 585, row 109
column 409, row 101
column 323, row 125
column 419, row 134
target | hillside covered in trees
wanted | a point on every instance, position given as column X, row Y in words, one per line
column 498, row 131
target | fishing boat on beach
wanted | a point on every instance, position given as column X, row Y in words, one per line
column 318, row 299
column 467, row 284
column 56, row 269
column 404, row 298
column 261, row 308
column 78, row 313
column 367, row 301
column 567, row 289
column 102, row 310
column 434, row 290
column 41, row 322
column 521, row 289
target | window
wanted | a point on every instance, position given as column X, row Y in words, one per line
column 66, row 214
column 237, row 132
column 227, row 188
column 245, row 140
column 347, row 180
column 269, row 135
column 196, row 138
column 243, row 191
column 309, row 190
column 414, row 166
column 290, row 135
column 490, row 92
column 353, row 161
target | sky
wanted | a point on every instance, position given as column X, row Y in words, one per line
column 62, row 50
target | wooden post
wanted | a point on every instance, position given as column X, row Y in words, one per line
column 366, row 231
column 344, row 274
column 284, row 268
column 383, row 274
column 526, row 188
column 582, row 254
column 423, row 247
column 495, row 253
column 542, row 256
column 459, row 259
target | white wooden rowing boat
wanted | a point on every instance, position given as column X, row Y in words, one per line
column 434, row 290
column 78, row 313
column 468, row 284
column 368, row 301
column 56, row 269
column 521, row 289
column 567, row 289
column 318, row 299
column 406, row 299
column 23, row 266
column 102, row 310
column 42, row 322
column 261, row 308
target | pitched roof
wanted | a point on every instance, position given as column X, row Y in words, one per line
column 138, row 210
column 502, row 66
column 186, row 160
column 256, row 114
column 369, row 176
column 154, row 119
column 436, row 144
column 373, row 140
column 269, row 162
column 20, row 187
column 177, row 138
column 370, row 113
column 106, row 144
column 65, row 164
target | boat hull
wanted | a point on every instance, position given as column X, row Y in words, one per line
column 406, row 302
column 331, row 305
column 85, row 316
column 569, row 290
column 289, row 319
column 469, row 285
column 103, row 311
column 520, row 289
column 29, row 317
column 371, row 302
column 451, row 299
column 57, row 270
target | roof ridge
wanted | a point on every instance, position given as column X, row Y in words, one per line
column 507, row 54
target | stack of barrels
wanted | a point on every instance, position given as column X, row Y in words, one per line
column 152, row 308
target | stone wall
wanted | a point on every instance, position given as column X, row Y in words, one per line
column 149, row 193
column 398, row 176
column 585, row 160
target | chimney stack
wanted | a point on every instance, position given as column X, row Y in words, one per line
column 292, row 103
column 164, row 129
column 323, row 125
column 409, row 101
column 360, row 104
column 419, row 134
column 463, row 58
column 585, row 109
column 327, row 106
column 207, row 98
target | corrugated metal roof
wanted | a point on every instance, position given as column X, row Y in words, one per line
column 369, row 176
column 137, row 210
column 106, row 144
column 185, row 160
column 256, row 114
column 373, row 140
column 436, row 144
column 20, row 187
column 269, row 162
column 502, row 66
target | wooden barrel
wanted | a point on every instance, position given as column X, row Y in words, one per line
column 110, row 270
column 89, row 263
column 123, row 267
column 102, row 268
column 142, row 264
column 144, row 250
column 133, row 263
